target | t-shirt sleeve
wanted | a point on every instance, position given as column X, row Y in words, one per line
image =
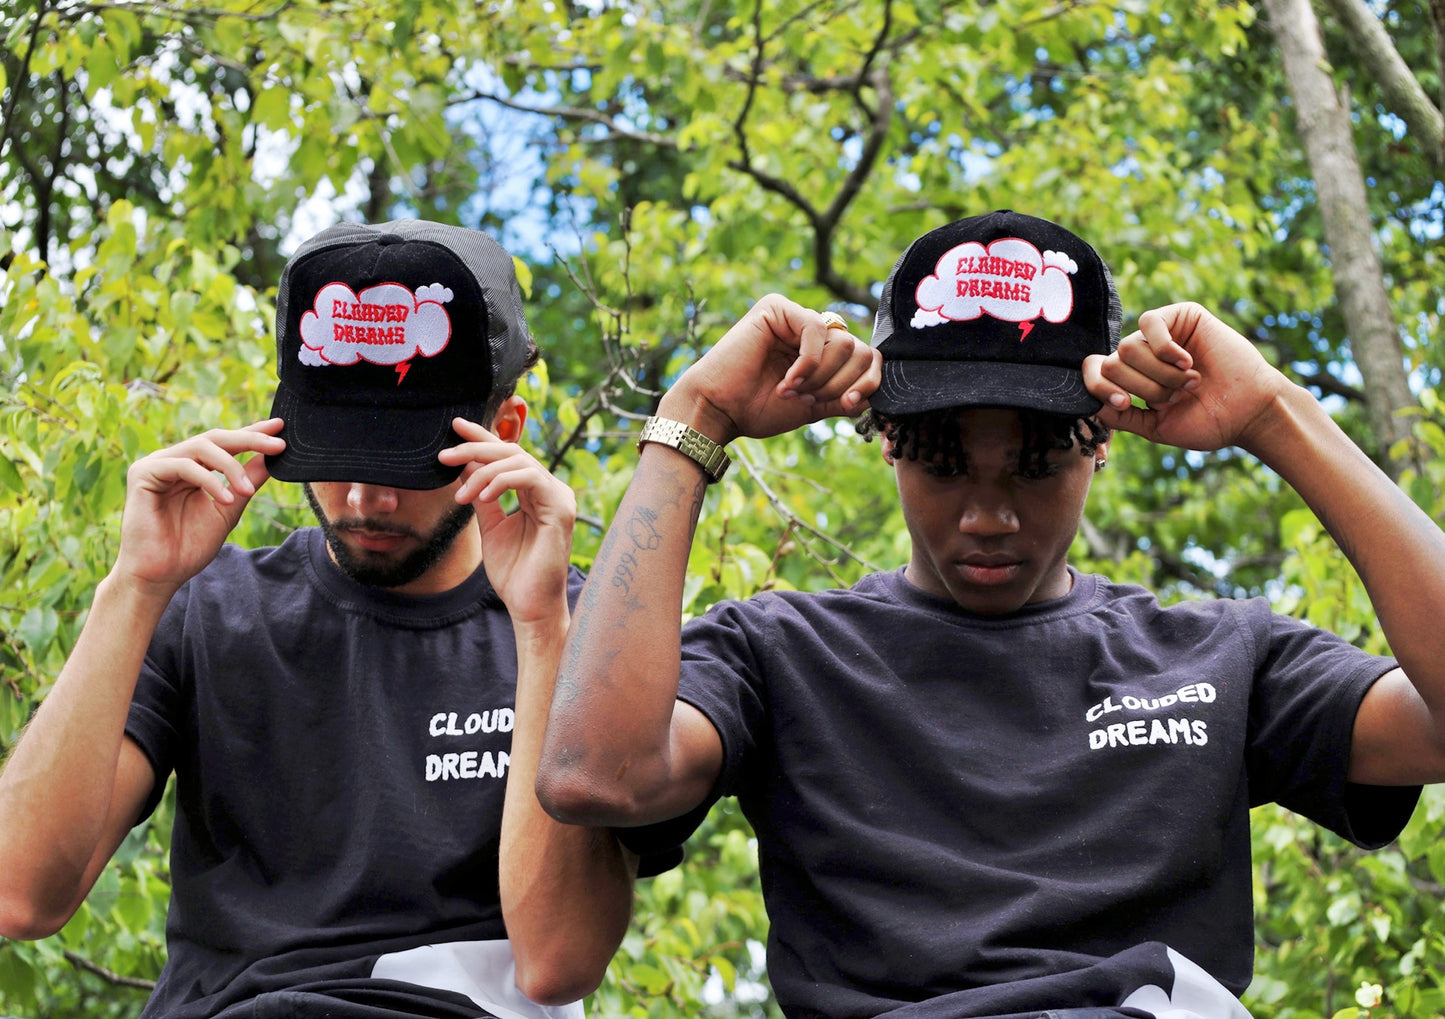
column 155, row 709
column 1302, row 720
column 719, row 677
column 659, row 846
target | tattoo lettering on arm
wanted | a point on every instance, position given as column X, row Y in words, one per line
column 642, row 529
column 621, row 560
column 566, row 690
column 699, row 490
column 642, row 532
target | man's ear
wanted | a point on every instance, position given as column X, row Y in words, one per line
column 511, row 418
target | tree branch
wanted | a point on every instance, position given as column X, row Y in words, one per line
column 827, row 224
column 185, row 15
column 1437, row 14
column 795, row 524
column 573, row 113
column 17, row 80
column 115, row 979
column 1372, row 45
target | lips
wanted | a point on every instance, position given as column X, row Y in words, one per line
column 988, row 570
column 375, row 541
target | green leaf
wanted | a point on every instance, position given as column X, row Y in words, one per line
column 38, row 627
column 101, row 67
column 10, row 475
column 272, row 108
column 649, row 978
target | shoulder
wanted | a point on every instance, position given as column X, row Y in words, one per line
column 1138, row 602
column 297, row 545
column 1219, row 626
column 801, row 617
column 235, row 571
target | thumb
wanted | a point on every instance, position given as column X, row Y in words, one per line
column 257, row 475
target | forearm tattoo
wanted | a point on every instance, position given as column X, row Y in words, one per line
column 622, row 559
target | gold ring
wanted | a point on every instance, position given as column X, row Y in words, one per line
column 833, row 320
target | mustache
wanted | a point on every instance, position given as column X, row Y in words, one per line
column 374, row 526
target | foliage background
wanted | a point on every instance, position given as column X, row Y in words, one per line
column 656, row 166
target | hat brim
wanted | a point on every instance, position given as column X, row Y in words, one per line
column 913, row 386
column 373, row 445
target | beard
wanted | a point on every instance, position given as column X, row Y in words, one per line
column 376, row 568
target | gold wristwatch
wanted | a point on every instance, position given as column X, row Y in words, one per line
column 709, row 455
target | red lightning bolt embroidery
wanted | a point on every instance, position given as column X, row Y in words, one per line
column 1024, row 329
column 401, row 371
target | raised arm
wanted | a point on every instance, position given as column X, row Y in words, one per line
column 566, row 891
column 74, row 785
column 621, row 749
column 1234, row 397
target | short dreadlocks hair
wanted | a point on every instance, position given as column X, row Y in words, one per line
column 932, row 437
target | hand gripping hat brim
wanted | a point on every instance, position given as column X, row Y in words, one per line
column 384, row 334
column 998, row 310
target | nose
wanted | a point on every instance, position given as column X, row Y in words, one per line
column 986, row 512
column 371, row 500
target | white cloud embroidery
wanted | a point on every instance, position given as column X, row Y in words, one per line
column 384, row 324
column 1009, row 280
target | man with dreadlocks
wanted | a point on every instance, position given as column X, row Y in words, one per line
column 987, row 784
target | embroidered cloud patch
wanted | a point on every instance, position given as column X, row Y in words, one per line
column 385, row 324
column 1009, row 280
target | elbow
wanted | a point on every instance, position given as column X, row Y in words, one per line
column 557, row 981
column 574, row 796
column 22, row 920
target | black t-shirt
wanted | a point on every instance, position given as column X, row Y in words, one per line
column 340, row 754
column 969, row 816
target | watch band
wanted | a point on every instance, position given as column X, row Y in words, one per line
column 709, row 455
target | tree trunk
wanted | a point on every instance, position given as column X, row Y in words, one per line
column 1324, row 127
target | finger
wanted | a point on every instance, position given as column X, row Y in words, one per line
column 1102, row 388
column 485, row 452
column 857, row 374
column 490, row 513
column 1160, row 357
column 1138, row 420
column 813, row 337
column 266, row 426
column 258, row 437
column 1155, row 328
column 256, row 474
column 520, row 472
column 836, row 351
column 541, row 497
column 484, row 446
column 795, row 381
column 168, row 467
column 218, row 449
column 162, row 475
column 855, row 400
column 1135, row 370
column 472, row 431
column 1129, row 384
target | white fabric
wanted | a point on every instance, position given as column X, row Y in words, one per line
column 1197, row 995
column 481, row 970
